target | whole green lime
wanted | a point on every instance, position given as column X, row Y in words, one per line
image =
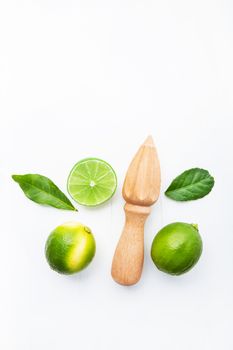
column 70, row 248
column 176, row 248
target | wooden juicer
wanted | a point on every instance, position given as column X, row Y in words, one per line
column 140, row 190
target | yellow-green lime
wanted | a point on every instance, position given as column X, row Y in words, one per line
column 91, row 182
column 70, row 248
column 176, row 248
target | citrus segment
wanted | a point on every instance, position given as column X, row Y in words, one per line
column 92, row 182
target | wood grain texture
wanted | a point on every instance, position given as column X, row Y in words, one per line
column 142, row 181
column 141, row 189
column 129, row 255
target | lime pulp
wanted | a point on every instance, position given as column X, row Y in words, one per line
column 91, row 182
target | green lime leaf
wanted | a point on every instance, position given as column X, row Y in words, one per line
column 42, row 190
column 192, row 184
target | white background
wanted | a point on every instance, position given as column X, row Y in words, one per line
column 93, row 78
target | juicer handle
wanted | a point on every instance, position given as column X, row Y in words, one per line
column 129, row 255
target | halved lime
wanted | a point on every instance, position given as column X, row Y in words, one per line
column 91, row 182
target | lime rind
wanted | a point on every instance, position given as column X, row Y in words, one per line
column 176, row 248
column 92, row 182
column 70, row 248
